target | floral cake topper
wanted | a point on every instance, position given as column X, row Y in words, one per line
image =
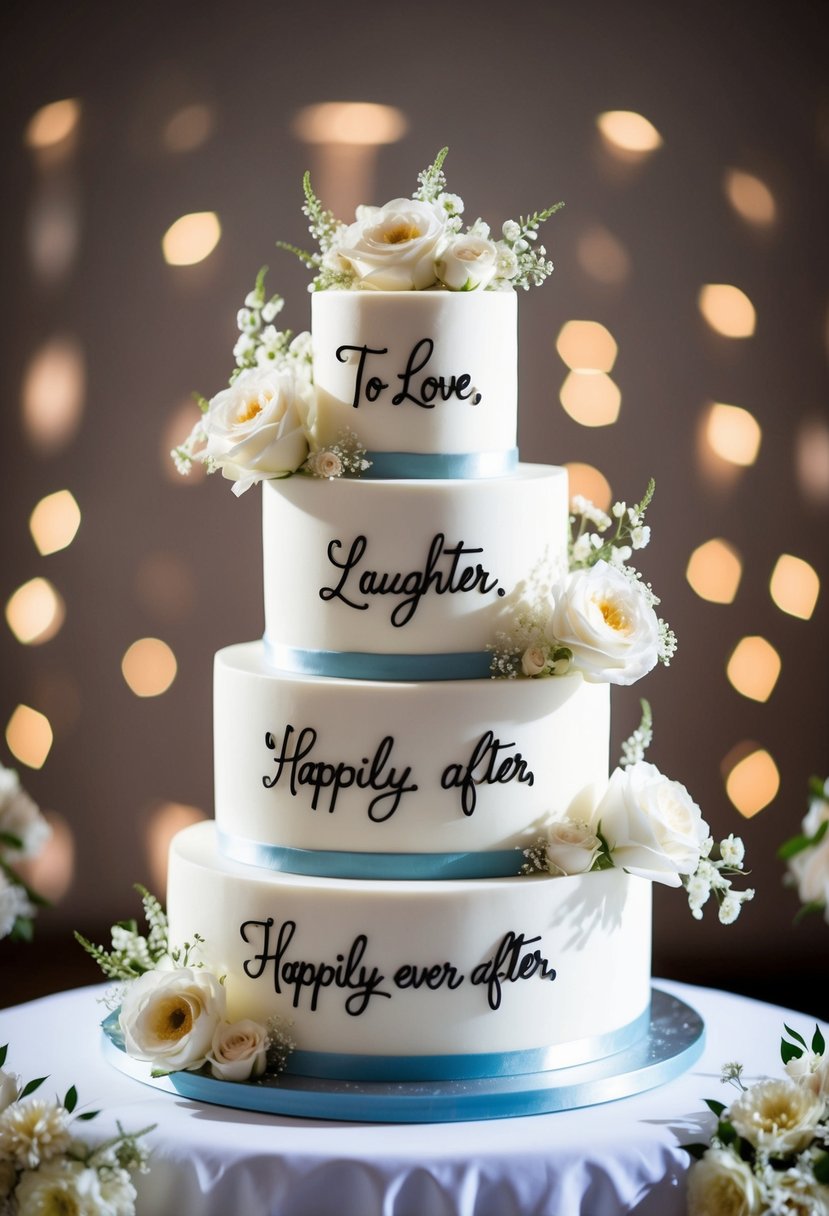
column 419, row 243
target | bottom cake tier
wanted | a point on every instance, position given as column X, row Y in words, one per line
column 421, row 980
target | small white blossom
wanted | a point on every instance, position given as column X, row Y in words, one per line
column 732, row 851
column 511, row 231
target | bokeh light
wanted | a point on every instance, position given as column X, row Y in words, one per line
column 794, row 586
column 750, row 197
column 753, row 781
column 53, row 123
column 149, row 667
column 812, row 459
column 753, row 668
column 590, row 483
column 54, row 522
column 349, row 122
column 189, row 128
column 51, row 872
column 191, row 239
column 733, row 433
column 587, row 346
column 163, row 823
column 714, row 571
column 29, row 736
column 602, row 256
column 35, row 612
column 591, row 398
column 728, row 310
column 54, row 385
column 627, row 133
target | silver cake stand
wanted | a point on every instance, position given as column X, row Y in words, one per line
column 672, row 1043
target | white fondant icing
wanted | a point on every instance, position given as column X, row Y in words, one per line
column 491, row 760
column 593, row 930
column 328, row 546
column 466, row 340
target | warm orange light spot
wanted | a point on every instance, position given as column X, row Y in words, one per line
column 162, row 825
column 50, row 873
column 53, row 392
column 349, row 122
column 752, row 783
column 602, row 256
column 794, row 586
column 625, row 131
column 189, row 128
column 52, row 124
column 587, row 481
column 54, row 522
column 733, row 433
column 753, row 668
column 149, row 667
column 750, row 198
column 587, row 346
column 714, row 571
column 191, row 238
column 813, row 459
column 728, row 310
column 591, row 398
column 35, row 612
column 29, row 736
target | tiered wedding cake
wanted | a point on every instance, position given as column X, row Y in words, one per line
column 420, row 865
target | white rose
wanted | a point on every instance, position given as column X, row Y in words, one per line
column 257, row 428
column 20, row 817
column 64, row 1186
column 239, row 1050
column 651, row 824
column 533, row 661
column 466, row 262
column 14, row 902
column 721, row 1183
column 607, row 622
column 777, row 1116
column 170, row 1017
column 571, row 847
column 811, row 869
column 812, row 1071
column 393, row 248
column 9, row 1088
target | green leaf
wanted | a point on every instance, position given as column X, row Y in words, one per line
column 816, row 788
column 3, row 1051
column 71, row 1099
column 821, row 1168
column 23, row 929
column 727, row 1132
column 32, row 1086
column 697, row 1151
column 89, row 1114
column 788, row 1051
column 715, row 1107
column 818, row 1042
column 10, row 840
column 798, row 1038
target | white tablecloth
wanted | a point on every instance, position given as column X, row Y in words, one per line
column 620, row 1157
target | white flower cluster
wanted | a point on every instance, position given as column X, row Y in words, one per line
column 807, row 854
column 173, row 1012
column 769, row 1151
column 419, row 243
column 647, row 825
column 46, row 1168
column 23, row 833
column 599, row 618
column 263, row 426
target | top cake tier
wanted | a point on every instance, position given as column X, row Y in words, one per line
column 427, row 380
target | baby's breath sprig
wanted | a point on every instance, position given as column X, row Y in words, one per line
column 531, row 264
column 631, row 532
column 711, row 877
column 432, row 180
column 280, row 1044
column 635, row 746
column 132, row 954
column 347, row 457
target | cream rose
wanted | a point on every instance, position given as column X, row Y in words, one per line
column 258, row 428
column 238, row 1051
column 466, row 262
column 534, row 661
column 721, row 1183
column 571, row 847
column 777, row 1116
column 393, row 248
column 170, row 1017
column 652, row 825
column 607, row 622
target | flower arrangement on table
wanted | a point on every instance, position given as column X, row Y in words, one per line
column 45, row 1168
column 263, row 426
column 807, row 853
column 172, row 1008
column 770, row 1151
column 23, row 833
column 599, row 619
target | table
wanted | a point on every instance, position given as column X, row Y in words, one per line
column 620, row 1157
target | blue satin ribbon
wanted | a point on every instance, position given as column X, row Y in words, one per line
column 329, row 863
column 439, row 466
column 342, row 1066
column 355, row 665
